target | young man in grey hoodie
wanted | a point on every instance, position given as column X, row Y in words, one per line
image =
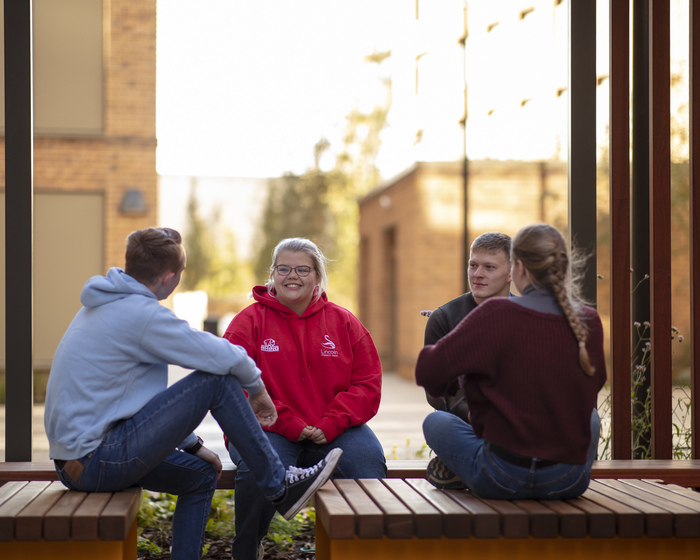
column 113, row 423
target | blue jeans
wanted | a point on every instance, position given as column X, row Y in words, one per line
column 141, row 451
column 490, row 476
column 363, row 457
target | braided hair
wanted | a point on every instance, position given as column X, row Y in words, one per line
column 542, row 250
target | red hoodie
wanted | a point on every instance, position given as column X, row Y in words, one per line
column 321, row 368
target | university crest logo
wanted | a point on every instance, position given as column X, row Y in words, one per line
column 269, row 345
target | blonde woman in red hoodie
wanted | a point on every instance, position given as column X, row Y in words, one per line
column 323, row 373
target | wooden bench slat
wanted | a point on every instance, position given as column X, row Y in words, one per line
column 9, row 489
column 58, row 520
column 514, row 521
column 29, row 523
column 456, row 521
column 10, row 509
column 370, row 519
column 486, row 521
column 685, row 518
column 571, row 520
column 119, row 513
column 334, row 512
column 677, row 490
column 427, row 520
column 544, row 522
column 601, row 521
column 398, row 521
column 629, row 522
column 85, row 522
column 658, row 521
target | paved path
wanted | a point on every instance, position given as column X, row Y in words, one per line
column 397, row 424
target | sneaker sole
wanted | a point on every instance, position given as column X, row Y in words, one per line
column 331, row 461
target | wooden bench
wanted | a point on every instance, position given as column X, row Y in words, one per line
column 681, row 472
column 44, row 520
column 410, row 519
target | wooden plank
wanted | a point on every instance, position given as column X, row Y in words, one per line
column 19, row 501
column 676, row 489
column 398, row 521
column 682, row 472
column 486, row 520
column 58, row 520
column 601, row 521
column 27, row 470
column 29, row 523
column 9, row 489
column 619, row 186
column 629, row 521
column 544, row 522
column 119, row 514
column 514, row 521
column 427, row 520
column 571, row 520
column 369, row 518
column 685, row 512
column 658, row 521
column 456, row 521
column 334, row 513
column 85, row 522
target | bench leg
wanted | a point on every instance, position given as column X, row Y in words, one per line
column 71, row 550
column 505, row 549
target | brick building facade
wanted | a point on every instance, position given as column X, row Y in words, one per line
column 412, row 240
column 87, row 154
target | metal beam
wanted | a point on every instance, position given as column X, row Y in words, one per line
column 19, row 230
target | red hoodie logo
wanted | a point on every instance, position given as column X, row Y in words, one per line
column 269, row 345
column 328, row 348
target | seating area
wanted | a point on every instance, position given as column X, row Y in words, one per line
column 410, row 519
column 632, row 508
column 43, row 519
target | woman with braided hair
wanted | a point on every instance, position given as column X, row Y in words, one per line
column 531, row 368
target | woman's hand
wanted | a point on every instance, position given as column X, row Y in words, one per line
column 314, row 434
column 210, row 457
column 263, row 407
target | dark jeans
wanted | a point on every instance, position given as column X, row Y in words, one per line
column 363, row 457
column 141, row 451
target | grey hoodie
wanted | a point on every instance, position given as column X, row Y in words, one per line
column 114, row 358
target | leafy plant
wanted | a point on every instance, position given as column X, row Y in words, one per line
column 641, row 407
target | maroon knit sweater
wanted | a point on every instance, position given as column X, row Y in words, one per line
column 522, row 378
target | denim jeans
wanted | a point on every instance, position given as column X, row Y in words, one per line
column 363, row 457
column 141, row 451
column 490, row 476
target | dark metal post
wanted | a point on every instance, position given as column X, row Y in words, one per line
column 582, row 138
column 19, row 228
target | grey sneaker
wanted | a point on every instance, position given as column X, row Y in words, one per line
column 303, row 483
column 440, row 476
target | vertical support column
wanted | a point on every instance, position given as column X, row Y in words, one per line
column 695, row 224
column 660, row 226
column 620, row 321
column 19, row 229
column 582, row 140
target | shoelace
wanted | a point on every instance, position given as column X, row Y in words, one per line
column 295, row 474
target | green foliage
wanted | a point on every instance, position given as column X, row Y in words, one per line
column 420, row 454
column 641, row 406
column 322, row 205
column 156, row 513
column 198, row 244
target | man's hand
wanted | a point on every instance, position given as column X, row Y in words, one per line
column 264, row 409
column 210, row 457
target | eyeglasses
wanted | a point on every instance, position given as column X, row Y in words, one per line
column 301, row 271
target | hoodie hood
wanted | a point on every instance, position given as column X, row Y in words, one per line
column 100, row 290
column 261, row 295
